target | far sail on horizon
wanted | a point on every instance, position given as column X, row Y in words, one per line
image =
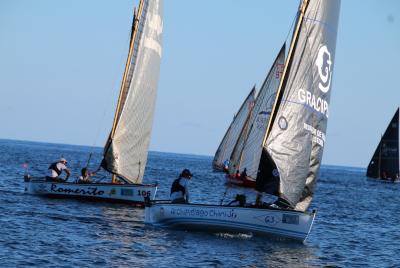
column 385, row 161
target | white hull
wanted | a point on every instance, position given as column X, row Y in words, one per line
column 127, row 193
column 266, row 221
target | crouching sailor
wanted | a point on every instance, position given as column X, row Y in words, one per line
column 179, row 188
column 85, row 176
column 55, row 170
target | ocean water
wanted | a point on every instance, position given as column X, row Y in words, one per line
column 357, row 223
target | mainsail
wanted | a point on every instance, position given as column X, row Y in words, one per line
column 295, row 135
column 250, row 154
column 385, row 161
column 125, row 153
column 231, row 136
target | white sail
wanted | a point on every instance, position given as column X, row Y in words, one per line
column 126, row 151
column 231, row 137
column 253, row 145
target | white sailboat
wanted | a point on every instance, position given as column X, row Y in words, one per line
column 126, row 150
column 293, row 142
column 247, row 152
column 233, row 133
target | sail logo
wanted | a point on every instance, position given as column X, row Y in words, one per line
column 282, row 123
column 261, row 119
column 317, row 103
column 250, row 105
column 279, row 70
column 152, row 41
column 324, row 65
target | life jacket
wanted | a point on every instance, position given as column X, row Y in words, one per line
column 54, row 167
column 177, row 187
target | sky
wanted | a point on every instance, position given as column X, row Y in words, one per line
column 61, row 63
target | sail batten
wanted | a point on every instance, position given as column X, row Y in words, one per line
column 295, row 137
column 125, row 153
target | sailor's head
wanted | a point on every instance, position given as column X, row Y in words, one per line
column 63, row 160
column 186, row 173
column 84, row 171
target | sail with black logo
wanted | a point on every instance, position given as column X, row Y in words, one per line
column 295, row 136
column 232, row 135
column 292, row 144
column 385, row 161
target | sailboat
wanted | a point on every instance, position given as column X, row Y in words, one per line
column 293, row 142
column 384, row 164
column 247, row 152
column 126, row 150
column 233, row 132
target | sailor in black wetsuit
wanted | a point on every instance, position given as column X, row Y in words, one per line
column 180, row 189
column 55, row 170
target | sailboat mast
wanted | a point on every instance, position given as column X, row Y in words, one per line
column 279, row 93
column 135, row 21
column 136, row 17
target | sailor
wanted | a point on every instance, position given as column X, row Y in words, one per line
column 240, row 200
column 237, row 174
column 179, row 188
column 226, row 165
column 55, row 170
column 243, row 175
column 85, row 176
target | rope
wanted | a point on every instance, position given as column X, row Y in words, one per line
column 107, row 108
column 226, row 191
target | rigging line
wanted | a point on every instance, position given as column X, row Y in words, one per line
column 226, row 191
column 107, row 108
column 292, row 25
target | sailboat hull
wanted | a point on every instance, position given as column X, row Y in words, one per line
column 246, row 182
column 277, row 223
column 121, row 193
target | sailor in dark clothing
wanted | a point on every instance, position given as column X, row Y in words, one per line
column 240, row 201
column 180, row 189
column 55, row 170
column 243, row 175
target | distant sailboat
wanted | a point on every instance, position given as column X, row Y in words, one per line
column 293, row 142
column 231, row 136
column 125, row 153
column 247, row 152
column 384, row 164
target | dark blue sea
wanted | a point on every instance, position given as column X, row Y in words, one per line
column 357, row 223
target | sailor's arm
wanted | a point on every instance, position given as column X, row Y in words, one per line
column 68, row 173
column 187, row 192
